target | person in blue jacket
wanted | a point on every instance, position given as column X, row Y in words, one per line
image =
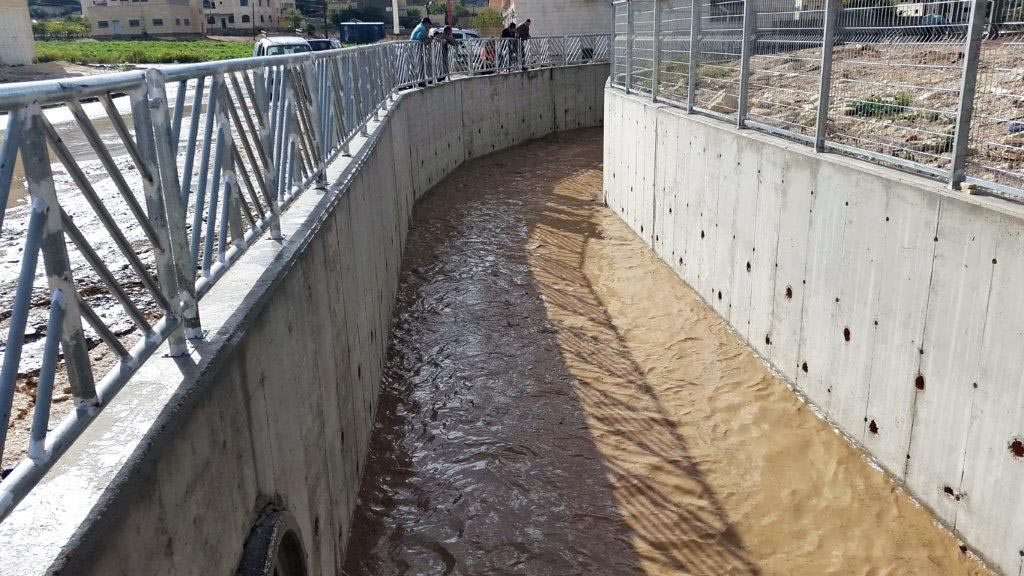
column 421, row 34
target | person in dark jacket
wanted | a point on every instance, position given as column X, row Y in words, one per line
column 509, row 31
column 509, row 49
column 523, row 31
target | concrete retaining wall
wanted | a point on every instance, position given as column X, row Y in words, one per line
column 275, row 408
column 893, row 305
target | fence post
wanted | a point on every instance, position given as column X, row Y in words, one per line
column 749, row 28
column 968, row 87
column 180, row 289
column 59, row 274
column 656, row 50
column 629, row 46
column 691, row 75
column 828, row 41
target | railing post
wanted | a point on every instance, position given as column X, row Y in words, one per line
column 749, row 29
column 824, row 90
column 656, row 49
column 168, row 211
column 629, row 47
column 691, row 75
column 39, row 175
column 968, row 88
column 144, row 106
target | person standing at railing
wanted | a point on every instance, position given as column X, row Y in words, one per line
column 421, row 34
column 508, row 46
column 446, row 38
column 523, row 33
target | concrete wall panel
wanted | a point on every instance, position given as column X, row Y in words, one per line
column 794, row 184
column 907, row 254
column 957, row 311
column 991, row 511
column 722, row 229
column 764, row 251
column 890, row 303
column 743, row 233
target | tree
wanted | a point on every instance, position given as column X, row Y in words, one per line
column 488, row 18
column 310, row 8
column 293, row 19
column 339, row 16
column 412, row 18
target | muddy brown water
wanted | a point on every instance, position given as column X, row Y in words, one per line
column 556, row 401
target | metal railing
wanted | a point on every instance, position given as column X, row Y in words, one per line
column 141, row 188
column 933, row 87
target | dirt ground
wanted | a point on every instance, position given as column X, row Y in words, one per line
column 557, row 401
column 898, row 99
column 48, row 71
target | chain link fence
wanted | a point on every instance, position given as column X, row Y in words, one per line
column 931, row 87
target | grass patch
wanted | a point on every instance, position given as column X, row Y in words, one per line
column 712, row 71
column 877, row 107
column 140, row 51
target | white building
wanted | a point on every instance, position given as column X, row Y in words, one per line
column 148, row 18
column 225, row 15
column 16, row 44
column 562, row 17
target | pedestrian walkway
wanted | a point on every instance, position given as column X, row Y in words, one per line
column 557, row 401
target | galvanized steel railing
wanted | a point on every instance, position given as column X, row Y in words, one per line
column 143, row 187
column 933, row 87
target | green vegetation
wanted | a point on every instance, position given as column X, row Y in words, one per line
column 877, row 107
column 140, row 51
column 68, row 27
column 486, row 19
column 293, row 19
column 713, row 71
column 458, row 9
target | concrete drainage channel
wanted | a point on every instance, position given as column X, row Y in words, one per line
column 250, row 448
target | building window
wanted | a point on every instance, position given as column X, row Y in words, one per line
column 158, row 21
column 188, row 22
column 243, row 2
column 261, row 18
column 102, row 24
column 231, row 18
column 245, row 17
column 133, row 23
column 209, row 20
column 177, row 21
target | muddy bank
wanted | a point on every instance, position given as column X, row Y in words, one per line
column 49, row 71
column 556, row 401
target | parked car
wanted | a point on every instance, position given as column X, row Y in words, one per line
column 278, row 45
column 320, row 44
column 457, row 33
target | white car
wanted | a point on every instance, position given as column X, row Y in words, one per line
column 457, row 33
column 278, row 45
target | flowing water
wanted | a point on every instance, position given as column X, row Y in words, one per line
column 556, row 401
